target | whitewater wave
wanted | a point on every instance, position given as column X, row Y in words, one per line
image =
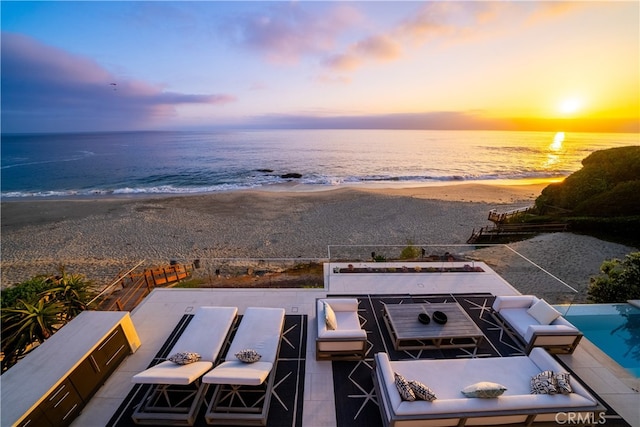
column 333, row 181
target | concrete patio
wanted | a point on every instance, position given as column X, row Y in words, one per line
column 158, row 314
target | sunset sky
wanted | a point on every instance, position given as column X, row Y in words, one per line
column 108, row 66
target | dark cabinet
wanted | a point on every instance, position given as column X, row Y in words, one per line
column 36, row 419
column 111, row 351
column 95, row 369
column 62, row 405
column 51, row 384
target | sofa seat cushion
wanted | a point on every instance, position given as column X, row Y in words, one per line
column 519, row 319
column 448, row 377
column 457, row 407
column 347, row 320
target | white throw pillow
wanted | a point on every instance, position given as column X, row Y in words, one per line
column 184, row 357
column 330, row 317
column 543, row 312
column 248, row 355
column 484, row 389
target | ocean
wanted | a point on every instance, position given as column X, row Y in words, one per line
column 138, row 163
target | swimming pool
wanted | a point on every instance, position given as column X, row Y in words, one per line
column 614, row 328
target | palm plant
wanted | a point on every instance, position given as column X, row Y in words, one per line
column 26, row 324
column 72, row 291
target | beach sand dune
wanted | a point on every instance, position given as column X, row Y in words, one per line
column 100, row 237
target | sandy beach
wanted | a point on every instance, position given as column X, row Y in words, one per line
column 100, row 237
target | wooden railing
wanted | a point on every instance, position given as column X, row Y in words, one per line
column 499, row 217
column 507, row 230
column 126, row 292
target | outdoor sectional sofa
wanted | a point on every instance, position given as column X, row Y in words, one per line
column 448, row 377
column 537, row 324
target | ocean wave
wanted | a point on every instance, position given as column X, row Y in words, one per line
column 310, row 179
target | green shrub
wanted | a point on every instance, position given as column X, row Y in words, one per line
column 620, row 282
column 410, row 252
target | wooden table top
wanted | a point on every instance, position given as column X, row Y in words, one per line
column 405, row 323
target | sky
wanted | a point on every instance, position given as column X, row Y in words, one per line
column 164, row 65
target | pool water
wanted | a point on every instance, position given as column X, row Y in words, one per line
column 614, row 328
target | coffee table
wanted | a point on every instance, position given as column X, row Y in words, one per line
column 408, row 333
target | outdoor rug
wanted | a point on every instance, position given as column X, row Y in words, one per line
column 288, row 391
column 355, row 398
column 356, row 402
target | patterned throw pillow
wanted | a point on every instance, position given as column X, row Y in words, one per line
column 330, row 317
column 543, row 383
column 184, row 357
column 406, row 393
column 422, row 391
column 562, row 382
column 248, row 355
column 484, row 390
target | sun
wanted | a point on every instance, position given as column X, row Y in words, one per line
column 570, row 106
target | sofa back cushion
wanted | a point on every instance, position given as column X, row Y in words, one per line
column 543, row 312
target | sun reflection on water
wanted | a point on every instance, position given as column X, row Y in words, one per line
column 558, row 139
column 554, row 148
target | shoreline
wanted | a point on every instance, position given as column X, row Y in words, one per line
column 100, row 237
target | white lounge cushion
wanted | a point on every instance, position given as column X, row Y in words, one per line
column 543, row 312
column 239, row 373
column 260, row 329
column 167, row 372
column 205, row 335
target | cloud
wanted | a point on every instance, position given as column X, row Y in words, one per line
column 47, row 89
column 287, row 32
column 444, row 22
column 443, row 120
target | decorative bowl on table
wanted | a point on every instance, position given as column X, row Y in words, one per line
column 424, row 318
column 439, row 317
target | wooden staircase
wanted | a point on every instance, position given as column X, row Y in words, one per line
column 129, row 288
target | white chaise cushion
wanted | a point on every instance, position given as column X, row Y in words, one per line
column 260, row 329
column 543, row 312
column 205, row 335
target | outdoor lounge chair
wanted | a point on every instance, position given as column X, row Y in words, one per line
column 345, row 340
column 177, row 392
column 260, row 330
column 542, row 326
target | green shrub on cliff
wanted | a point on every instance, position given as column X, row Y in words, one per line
column 608, row 185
